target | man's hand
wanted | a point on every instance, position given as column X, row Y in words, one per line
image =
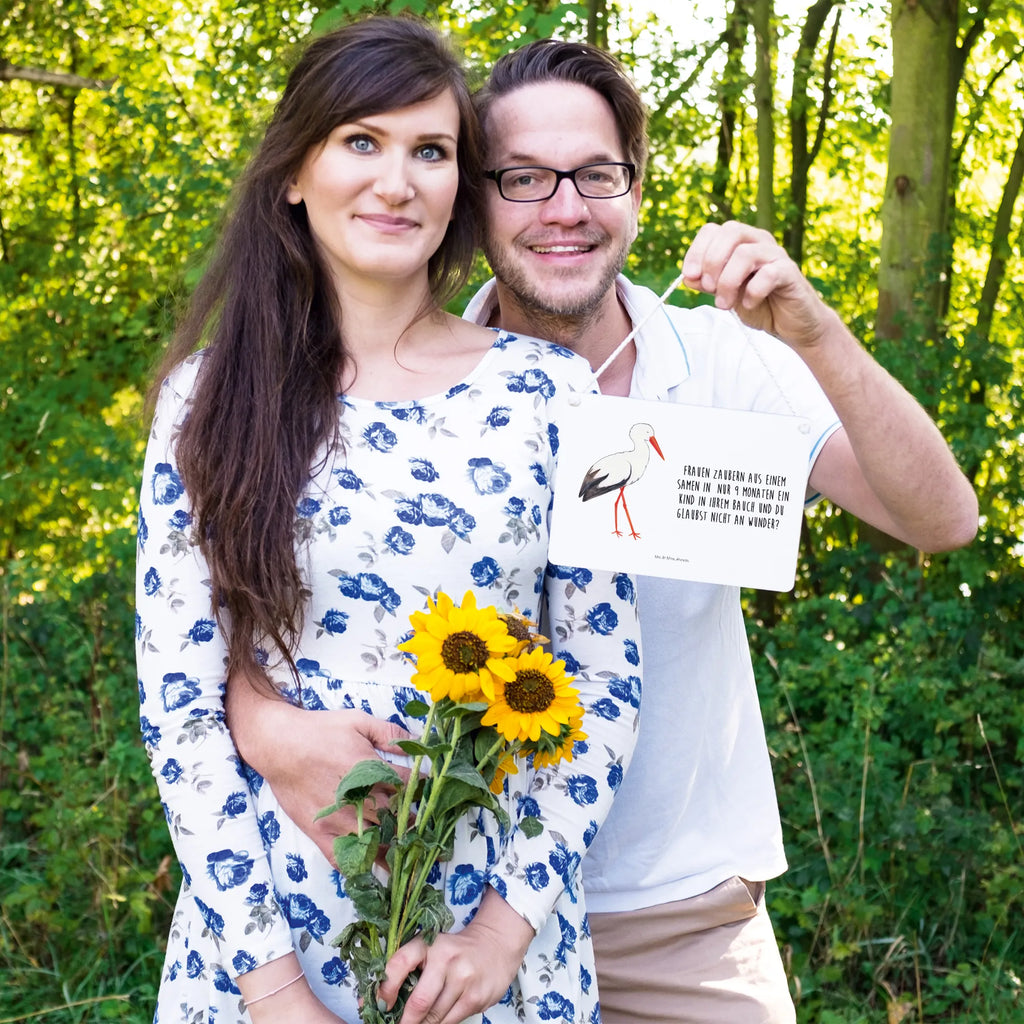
column 748, row 271
column 304, row 754
column 461, row 973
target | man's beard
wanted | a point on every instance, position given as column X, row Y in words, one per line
column 550, row 307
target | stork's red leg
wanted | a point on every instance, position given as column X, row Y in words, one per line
column 619, row 497
column 625, row 509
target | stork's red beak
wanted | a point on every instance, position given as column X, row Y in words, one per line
column 656, row 446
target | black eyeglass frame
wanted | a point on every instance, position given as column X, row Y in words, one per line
column 560, row 176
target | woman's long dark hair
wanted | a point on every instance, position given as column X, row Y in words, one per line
column 265, row 403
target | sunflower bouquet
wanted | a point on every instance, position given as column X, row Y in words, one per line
column 496, row 696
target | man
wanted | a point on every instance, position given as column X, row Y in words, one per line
column 675, row 878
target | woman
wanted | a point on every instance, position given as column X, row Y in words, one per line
column 341, row 449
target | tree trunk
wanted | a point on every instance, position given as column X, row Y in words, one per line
column 764, row 102
column 803, row 153
column 729, row 91
column 915, row 211
column 597, row 23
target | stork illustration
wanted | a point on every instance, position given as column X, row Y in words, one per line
column 620, row 469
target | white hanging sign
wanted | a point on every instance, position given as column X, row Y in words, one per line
column 685, row 492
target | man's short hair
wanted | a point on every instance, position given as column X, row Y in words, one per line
column 554, row 60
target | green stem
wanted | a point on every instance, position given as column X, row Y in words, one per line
column 409, row 886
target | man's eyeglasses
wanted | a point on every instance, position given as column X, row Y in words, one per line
column 535, row 184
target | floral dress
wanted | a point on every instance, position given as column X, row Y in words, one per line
column 449, row 493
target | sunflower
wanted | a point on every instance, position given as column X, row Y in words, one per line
column 521, row 628
column 459, row 650
column 537, row 698
column 550, row 750
column 506, row 766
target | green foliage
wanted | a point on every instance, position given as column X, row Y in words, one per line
column 890, row 683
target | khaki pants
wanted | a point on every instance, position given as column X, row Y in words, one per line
column 710, row 959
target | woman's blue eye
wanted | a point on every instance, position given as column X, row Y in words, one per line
column 433, row 152
column 361, row 143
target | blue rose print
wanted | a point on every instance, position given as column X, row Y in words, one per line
column 567, row 943
column 151, row 582
column 553, row 438
column 307, row 508
column 229, row 868
column 582, row 789
column 488, row 477
column 615, row 777
column 335, row 971
column 244, row 962
column 572, row 666
column 566, row 863
column 540, row 474
column 585, row 980
column 167, row 485
column 515, row 506
column 606, row 708
column 334, row 622
column 296, row 867
column 210, row 917
column 413, row 413
column 576, row 575
column 436, row 509
column 423, row 470
column 180, row 520
column 142, row 530
column 347, row 479
column 554, row 1006
column 150, row 732
column 456, row 390
column 528, row 807
column 498, row 416
column 368, row 586
column 400, row 541
column 536, row 515
column 380, row 437
column 461, row 523
column 235, row 805
column 222, row 982
column 537, row 876
column 625, row 589
column 602, row 618
column 485, row 572
column 632, row 653
column 257, row 895
column 590, row 834
column 172, row 771
column 339, row 516
column 302, row 912
column 465, row 885
column 270, row 828
column 626, row 690
column 194, row 965
column 202, row 631
column 178, row 691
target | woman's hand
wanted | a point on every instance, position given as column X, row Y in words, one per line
column 462, row 973
column 304, row 754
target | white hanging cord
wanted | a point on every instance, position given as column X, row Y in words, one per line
column 636, row 330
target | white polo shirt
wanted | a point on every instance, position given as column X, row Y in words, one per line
column 698, row 803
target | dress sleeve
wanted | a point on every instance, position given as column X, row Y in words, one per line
column 181, row 656
column 591, row 618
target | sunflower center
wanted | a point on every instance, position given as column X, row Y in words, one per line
column 518, row 628
column 530, row 691
column 464, row 652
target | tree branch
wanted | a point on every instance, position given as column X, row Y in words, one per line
column 9, row 72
